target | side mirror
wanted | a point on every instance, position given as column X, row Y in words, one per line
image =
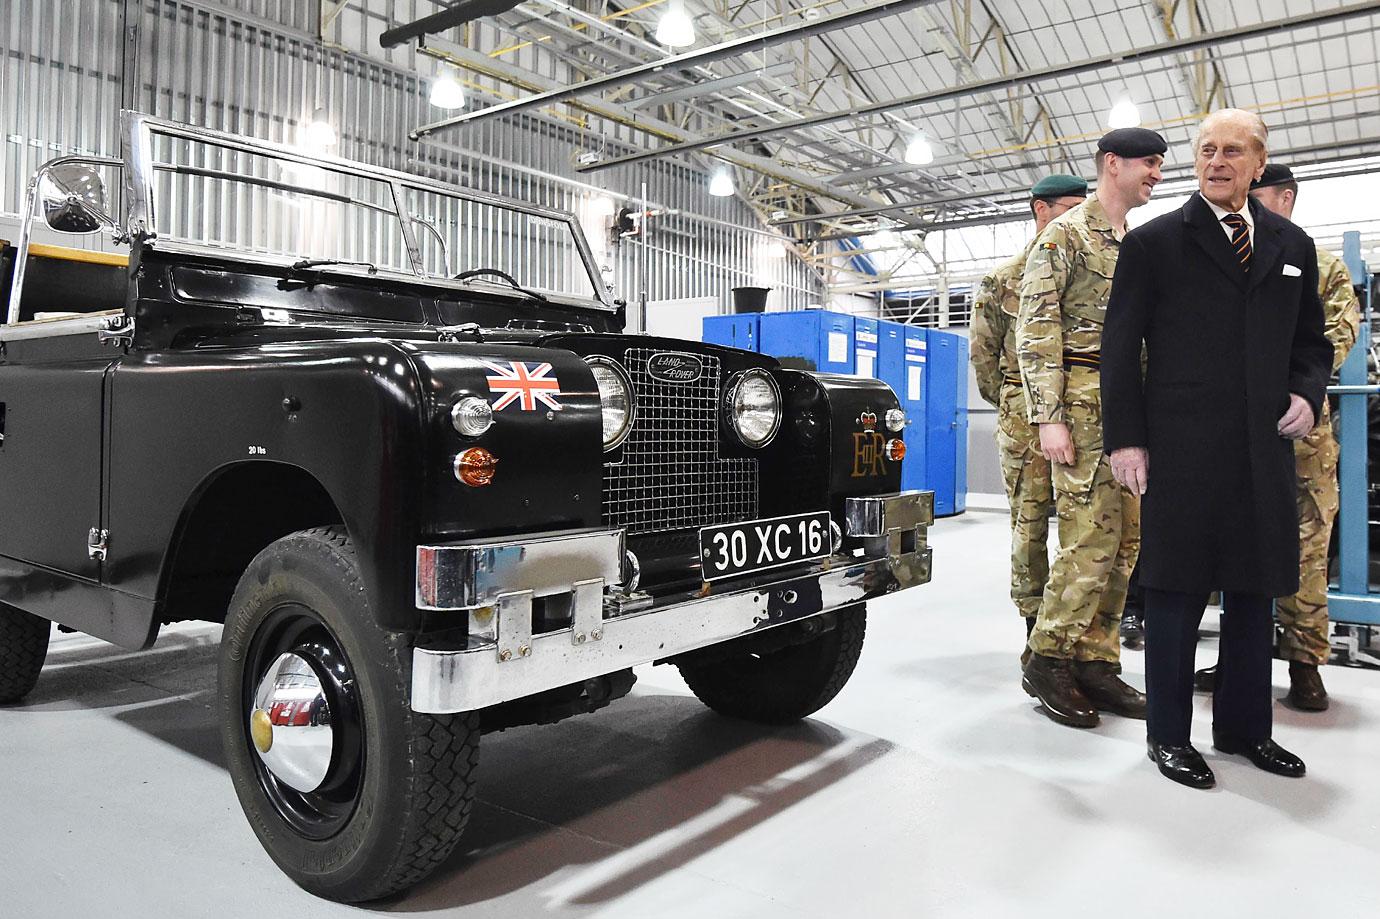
column 73, row 198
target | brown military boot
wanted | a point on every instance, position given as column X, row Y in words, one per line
column 1108, row 693
column 1306, row 690
column 1050, row 680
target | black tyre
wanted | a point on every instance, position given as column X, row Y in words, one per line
column 382, row 800
column 786, row 685
column 23, row 648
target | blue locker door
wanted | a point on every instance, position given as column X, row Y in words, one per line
column 865, row 343
column 961, row 428
column 822, row 340
column 835, row 342
column 940, row 406
column 891, row 357
column 913, row 383
column 739, row 331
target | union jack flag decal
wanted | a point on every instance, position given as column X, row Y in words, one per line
column 514, row 382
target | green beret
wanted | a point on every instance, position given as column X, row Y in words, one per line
column 1058, row 185
column 1274, row 174
column 1132, row 142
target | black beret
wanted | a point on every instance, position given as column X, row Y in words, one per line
column 1058, row 185
column 1131, row 142
column 1274, row 174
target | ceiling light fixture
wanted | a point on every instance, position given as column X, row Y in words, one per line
column 319, row 132
column 675, row 30
column 1124, row 115
column 919, row 152
column 721, row 183
column 446, row 93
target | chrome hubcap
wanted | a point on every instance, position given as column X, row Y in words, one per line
column 290, row 724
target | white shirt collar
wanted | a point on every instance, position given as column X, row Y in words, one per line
column 1245, row 212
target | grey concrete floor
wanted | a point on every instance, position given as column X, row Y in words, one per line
column 930, row 787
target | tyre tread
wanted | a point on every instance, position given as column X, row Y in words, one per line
column 23, row 649
column 736, row 689
column 443, row 752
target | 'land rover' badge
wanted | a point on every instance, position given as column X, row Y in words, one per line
column 674, row 368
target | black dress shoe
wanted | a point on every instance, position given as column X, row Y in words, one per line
column 1205, row 680
column 1132, row 629
column 1184, row 765
column 1263, row 754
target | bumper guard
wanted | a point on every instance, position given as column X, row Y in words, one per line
column 496, row 582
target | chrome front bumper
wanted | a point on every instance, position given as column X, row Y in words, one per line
column 496, row 582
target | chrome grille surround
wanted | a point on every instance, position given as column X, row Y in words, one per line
column 671, row 476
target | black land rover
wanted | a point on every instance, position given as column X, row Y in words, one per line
column 391, row 433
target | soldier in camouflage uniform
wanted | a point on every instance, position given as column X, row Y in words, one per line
column 1064, row 291
column 1025, row 471
column 1303, row 616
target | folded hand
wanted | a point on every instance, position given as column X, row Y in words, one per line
column 1298, row 420
column 1131, row 467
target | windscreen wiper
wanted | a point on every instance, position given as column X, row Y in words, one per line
column 306, row 264
column 494, row 272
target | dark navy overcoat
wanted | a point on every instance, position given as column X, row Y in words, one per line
column 1224, row 349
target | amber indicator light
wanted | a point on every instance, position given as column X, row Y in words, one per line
column 475, row 466
column 895, row 450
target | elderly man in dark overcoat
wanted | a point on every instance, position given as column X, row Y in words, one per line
column 1223, row 297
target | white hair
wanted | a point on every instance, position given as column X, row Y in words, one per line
column 1259, row 132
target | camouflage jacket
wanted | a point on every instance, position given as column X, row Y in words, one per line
column 1064, row 292
column 993, row 342
column 1341, row 309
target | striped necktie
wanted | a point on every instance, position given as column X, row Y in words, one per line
column 1240, row 239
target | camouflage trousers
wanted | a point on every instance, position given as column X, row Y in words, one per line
column 1303, row 617
column 1099, row 540
column 1031, row 496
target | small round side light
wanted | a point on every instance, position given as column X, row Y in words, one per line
column 895, row 419
column 475, row 467
column 471, row 416
column 895, row 450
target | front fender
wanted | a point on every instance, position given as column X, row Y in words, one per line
column 832, row 443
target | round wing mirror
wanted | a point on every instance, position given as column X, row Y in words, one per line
column 73, row 198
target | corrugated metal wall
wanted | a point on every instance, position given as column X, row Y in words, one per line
column 255, row 67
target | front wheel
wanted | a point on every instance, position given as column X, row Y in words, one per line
column 352, row 793
column 23, row 648
column 784, row 685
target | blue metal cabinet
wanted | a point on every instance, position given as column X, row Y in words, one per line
column 810, row 339
column 911, row 387
column 891, row 357
column 737, row 331
column 961, row 427
column 865, row 343
column 941, row 421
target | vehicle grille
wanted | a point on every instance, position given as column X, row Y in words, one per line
column 671, row 476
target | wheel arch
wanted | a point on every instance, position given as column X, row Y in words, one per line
column 224, row 525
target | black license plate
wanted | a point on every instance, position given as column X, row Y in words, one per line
column 741, row 548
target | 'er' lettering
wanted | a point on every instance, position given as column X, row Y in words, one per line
column 869, row 457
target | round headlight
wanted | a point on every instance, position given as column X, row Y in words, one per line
column 471, row 416
column 753, row 407
column 895, row 419
column 615, row 399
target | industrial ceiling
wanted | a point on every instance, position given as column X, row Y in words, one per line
column 842, row 118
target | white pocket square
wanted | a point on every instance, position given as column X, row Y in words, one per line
column 1292, row 271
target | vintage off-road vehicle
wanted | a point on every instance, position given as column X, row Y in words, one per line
column 392, row 434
